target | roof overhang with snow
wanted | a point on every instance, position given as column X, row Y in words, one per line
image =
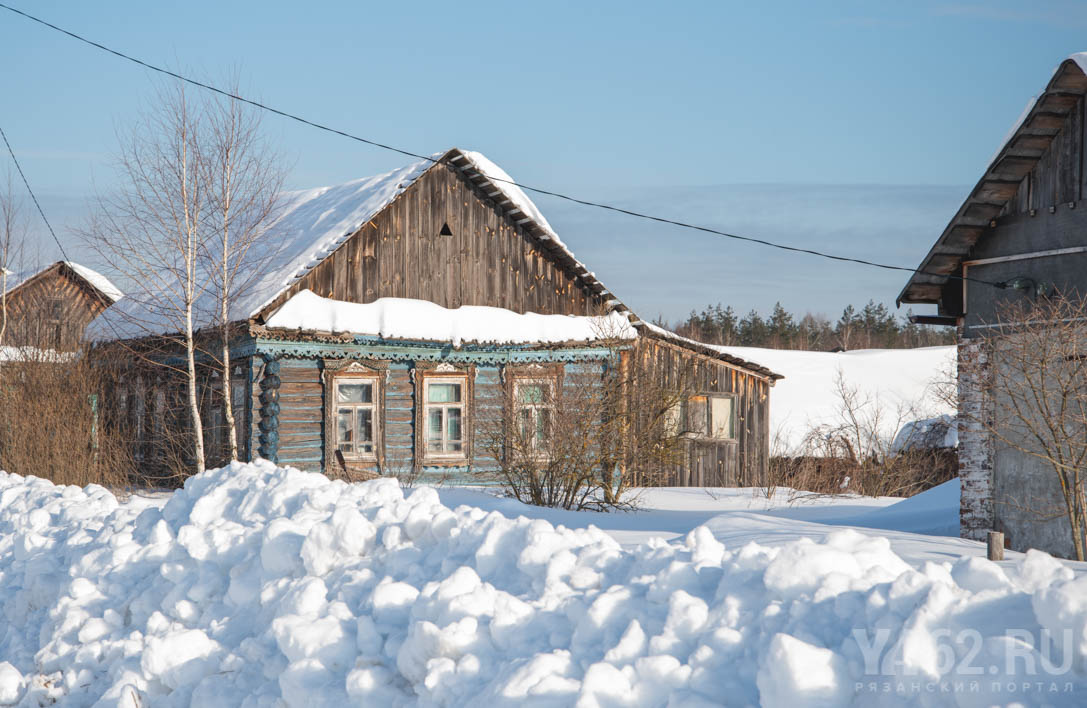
column 88, row 277
column 364, row 199
column 1024, row 145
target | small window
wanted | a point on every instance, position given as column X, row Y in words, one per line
column 355, row 420
column 55, row 321
column 535, row 401
column 443, row 416
column 707, row 416
column 445, row 231
column 722, row 417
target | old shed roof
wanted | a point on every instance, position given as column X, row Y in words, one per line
column 1024, row 145
column 91, row 278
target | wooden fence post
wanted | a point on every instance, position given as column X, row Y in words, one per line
column 996, row 546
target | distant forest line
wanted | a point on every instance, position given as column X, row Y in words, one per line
column 872, row 327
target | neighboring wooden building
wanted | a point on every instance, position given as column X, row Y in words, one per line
column 49, row 309
column 454, row 233
column 1024, row 225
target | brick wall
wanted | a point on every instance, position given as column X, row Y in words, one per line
column 975, row 444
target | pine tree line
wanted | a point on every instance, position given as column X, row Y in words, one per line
column 873, row 327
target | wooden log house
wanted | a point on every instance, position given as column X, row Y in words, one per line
column 49, row 309
column 453, row 232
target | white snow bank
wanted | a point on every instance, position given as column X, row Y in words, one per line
column 928, row 433
column 807, row 398
column 401, row 318
column 935, row 511
column 256, row 584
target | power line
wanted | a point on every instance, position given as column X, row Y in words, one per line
column 538, row 190
column 32, row 196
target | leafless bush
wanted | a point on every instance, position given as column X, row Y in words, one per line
column 51, row 421
column 579, row 437
column 856, row 455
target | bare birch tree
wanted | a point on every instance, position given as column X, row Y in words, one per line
column 152, row 232
column 243, row 179
column 1036, row 385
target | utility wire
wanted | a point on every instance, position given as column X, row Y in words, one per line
column 31, row 191
column 538, row 190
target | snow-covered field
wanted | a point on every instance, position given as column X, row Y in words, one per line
column 263, row 586
column 899, row 380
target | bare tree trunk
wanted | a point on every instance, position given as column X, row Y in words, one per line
column 244, row 178
column 152, row 233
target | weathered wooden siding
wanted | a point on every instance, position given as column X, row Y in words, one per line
column 741, row 462
column 51, row 311
column 1059, row 176
column 301, row 416
column 487, row 259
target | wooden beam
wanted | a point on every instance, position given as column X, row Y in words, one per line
column 1058, row 102
column 1069, row 79
column 1044, row 122
column 1013, row 167
column 995, row 191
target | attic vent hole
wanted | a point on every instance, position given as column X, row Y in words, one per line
column 446, row 231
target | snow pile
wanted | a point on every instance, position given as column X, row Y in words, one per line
column 899, row 383
column 401, row 318
column 256, row 583
column 927, row 434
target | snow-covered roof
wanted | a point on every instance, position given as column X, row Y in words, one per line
column 1027, row 141
column 313, row 223
column 419, row 320
column 92, row 277
column 316, row 222
column 708, row 349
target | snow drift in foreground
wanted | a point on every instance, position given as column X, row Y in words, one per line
column 256, row 583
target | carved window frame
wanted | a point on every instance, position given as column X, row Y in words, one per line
column 336, row 371
column 424, row 373
column 516, row 375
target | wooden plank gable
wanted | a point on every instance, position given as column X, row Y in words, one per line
column 446, row 241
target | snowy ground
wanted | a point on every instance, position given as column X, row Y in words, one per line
column 263, row 586
column 807, row 397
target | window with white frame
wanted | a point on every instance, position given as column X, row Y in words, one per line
column 707, row 416
column 535, row 401
column 355, row 417
column 443, row 416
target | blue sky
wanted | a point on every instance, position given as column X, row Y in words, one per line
column 856, row 127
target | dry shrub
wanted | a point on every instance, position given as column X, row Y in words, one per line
column 854, row 455
column 50, row 420
column 579, row 436
column 900, row 475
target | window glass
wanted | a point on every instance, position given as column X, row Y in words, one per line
column 354, row 393
column 344, row 430
column 434, row 429
column 533, row 392
column 364, row 419
column 697, row 415
column 444, row 393
column 453, row 429
column 356, row 424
